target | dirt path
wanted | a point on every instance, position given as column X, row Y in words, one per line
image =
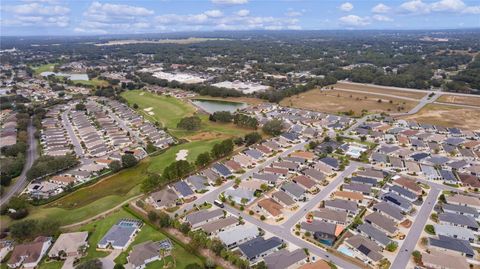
column 101, row 215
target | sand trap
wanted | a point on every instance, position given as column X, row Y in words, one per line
column 182, row 155
column 151, row 113
column 148, row 109
column 142, row 93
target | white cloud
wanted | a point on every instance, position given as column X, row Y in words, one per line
column 382, row 18
column 448, row 5
column 214, row 13
column 380, row 8
column 415, row 6
column 36, row 8
column 117, row 10
column 37, row 14
column 243, row 12
column 347, row 6
column 229, row 2
column 472, row 10
column 354, row 20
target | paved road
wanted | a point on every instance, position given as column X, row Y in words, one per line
column 71, row 133
column 212, row 195
column 32, row 155
column 322, row 195
column 287, row 236
column 405, row 251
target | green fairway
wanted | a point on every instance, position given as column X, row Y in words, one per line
column 166, row 110
column 43, row 68
column 92, row 82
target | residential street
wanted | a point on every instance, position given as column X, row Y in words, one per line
column 71, row 133
column 32, row 155
column 212, row 195
column 406, row 249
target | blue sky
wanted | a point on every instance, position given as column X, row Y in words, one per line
column 85, row 17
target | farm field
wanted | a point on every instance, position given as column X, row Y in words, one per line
column 334, row 102
column 448, row 116
column 463, row 100
column 378, row 89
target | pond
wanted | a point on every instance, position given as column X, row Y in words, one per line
column 70, row 76
column 211, row 106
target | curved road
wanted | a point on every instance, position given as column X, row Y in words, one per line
column 32, row 155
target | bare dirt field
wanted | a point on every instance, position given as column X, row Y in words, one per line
column 463, row 100
column 332, row 101
column 448, row 116
column 378, row 89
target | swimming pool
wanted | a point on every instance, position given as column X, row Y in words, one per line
column 345, row 250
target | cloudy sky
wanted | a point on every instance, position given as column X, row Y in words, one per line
column 85, row 17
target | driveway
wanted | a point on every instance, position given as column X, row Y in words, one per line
column 108, row 262
column 68, row 264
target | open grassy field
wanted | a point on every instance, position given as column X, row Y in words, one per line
column 463, row 100
column 332, row 101
column 93, row 82
column 248, row 100
column 368, row 88
column 43, row 68
column 448, row 116
column 170, row 110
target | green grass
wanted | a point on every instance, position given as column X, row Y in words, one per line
column 43, row 68
column 92, row 82
column 51, row 265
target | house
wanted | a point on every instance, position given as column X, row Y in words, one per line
column 349, row 196
column 163, row 199
column 455, row 232
column 364, row 180
column 366, row 248
column 306, row 183
column 69, row 244
column 63, row 180
column 342, row 205
column 451, row 246
column 268, row 178
column 448, row 176
column 405, row 193
column 430, row 172
column 211, row 175
column 183, row 189
column 469, row 180
column 253, row 153
column 442, row 260
column 284, row 259
column 222, row 170
column 28, row 255
column 269, row 205
column 288, row 165
column 259, row 247
column 381, row 222
column 409, row 184
column 319, row 264
column 282, row 172
column 372, row 173
column 324, row 232
column 5, row 247
column 243, row 160
column 199, row 183
column 309, row 156
column 149, row 251
column 397, row 200
column 121, row 234
column 331, row 162
column 233, row 166
column 458, row 220
column 282, row 198
column 358, row 188
column 460, row 199
column 374, row 234
column 294, row 190
column 251, row 185
column 460, row 209
column 389, row 210
column 240, row 195
column 213, row 227
column 198, row 218
column 314, row 174
column 332, row 216
column 238, row 235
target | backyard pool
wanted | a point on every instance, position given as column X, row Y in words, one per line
column 345, row 250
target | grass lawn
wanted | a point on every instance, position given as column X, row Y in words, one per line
column 43, row 68
column 51, row 265
column 92, row 82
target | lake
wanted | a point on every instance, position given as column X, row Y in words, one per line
column 211, row 106
column 70, row 76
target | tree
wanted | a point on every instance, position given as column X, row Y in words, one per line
column 119, row 266
column 417, row 256
column 135, row 106
column 391, row 247
column 177, row 170
column 151, row 182
column 164, row 220
column 252, row 138
column 128, row 160
column 203, row 159
column 222, row 149
column 80, row 106
column 192, row 123
column 193, row 266
column 152, row 216
column 430, row 229
column 115, row 166
column 273, row 127
column 221, row 116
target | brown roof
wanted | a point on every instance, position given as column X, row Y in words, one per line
column 304, row 181
column 303, row 154
column 271, row 206
column 30, row 251
column 408, row 183
column 470, row 180
column 275, row 170
column 233, row 165
column 263, row 149
column 471, row 144
column 349, row 194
